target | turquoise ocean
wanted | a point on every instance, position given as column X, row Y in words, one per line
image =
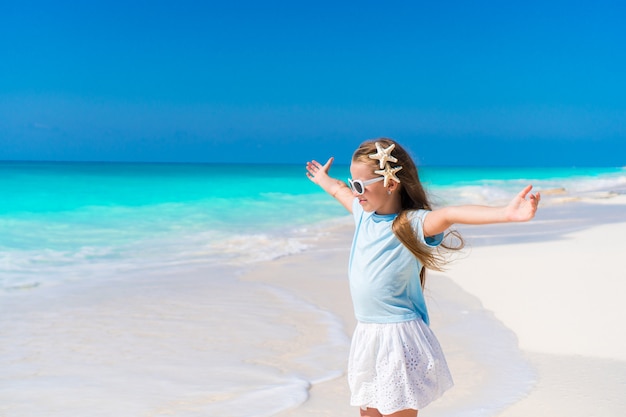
column 69, row 220
column 66, row 226
column 73, row 220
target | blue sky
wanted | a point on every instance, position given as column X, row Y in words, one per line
column 459, row 83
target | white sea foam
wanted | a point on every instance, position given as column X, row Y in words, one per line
column 257, row 247
column 26, row 268
column 491, row 192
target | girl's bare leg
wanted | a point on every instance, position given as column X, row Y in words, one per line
column 403, row 413
column 370, row 412
column 373, row 412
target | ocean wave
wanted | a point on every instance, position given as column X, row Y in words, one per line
column 255, row 248
column 494, row 192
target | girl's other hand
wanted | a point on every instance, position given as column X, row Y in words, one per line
column 521, row 209
column 316, row 171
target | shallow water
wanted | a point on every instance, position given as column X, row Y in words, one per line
column 182, row 342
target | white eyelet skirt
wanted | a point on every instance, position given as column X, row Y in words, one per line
column 396, row 366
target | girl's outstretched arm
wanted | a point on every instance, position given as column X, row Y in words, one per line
column 318, row 173
column 520, row 209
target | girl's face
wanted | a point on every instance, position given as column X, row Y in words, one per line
column 376, row 197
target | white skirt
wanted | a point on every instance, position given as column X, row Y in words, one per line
column 396, row 366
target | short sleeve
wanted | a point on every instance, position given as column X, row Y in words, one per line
column 417, row 220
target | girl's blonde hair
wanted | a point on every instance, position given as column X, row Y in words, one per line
column 413, row 197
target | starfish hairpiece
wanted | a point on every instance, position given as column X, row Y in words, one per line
column 384, row 154
column 389, row 173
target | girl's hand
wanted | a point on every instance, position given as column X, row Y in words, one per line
column 520, row 209
column 318, row 172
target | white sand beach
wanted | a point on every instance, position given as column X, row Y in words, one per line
column 561, row 291
column 549, row 291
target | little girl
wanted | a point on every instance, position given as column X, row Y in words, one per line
column 396, row 365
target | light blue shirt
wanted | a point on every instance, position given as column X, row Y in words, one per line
column 384, row 274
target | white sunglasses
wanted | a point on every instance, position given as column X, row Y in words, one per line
column 358, row 186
